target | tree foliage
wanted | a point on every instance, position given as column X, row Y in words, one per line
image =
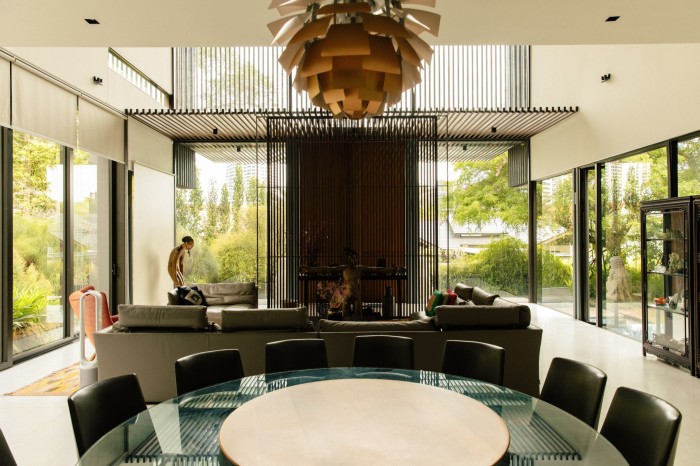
column 481, row 193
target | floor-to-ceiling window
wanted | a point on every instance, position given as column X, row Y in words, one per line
column 225, row 214
column 689, row 167
column 38, row 243
column 555, row 245
column 483, row 224
column 625, row 183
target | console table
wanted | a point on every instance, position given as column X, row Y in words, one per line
column 308, row 276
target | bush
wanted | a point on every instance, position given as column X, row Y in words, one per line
column 28, row 308
column 503, row 265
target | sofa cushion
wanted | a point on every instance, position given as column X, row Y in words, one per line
column 501, row 314
column 482, row 297
column 140, row 316
column 377, row 326
column 463, row 291
column 265, row 319
column 221, row 294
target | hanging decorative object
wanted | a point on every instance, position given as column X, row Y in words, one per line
column 354, row 58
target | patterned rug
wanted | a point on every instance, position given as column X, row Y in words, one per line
column 60, row 383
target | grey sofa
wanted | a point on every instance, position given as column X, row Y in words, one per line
column 220, row 296
column 148, row 339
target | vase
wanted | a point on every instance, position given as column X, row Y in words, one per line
column 388, row 304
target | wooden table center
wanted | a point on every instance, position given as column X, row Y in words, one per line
column 361, row 422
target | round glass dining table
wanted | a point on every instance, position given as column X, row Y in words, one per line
column 184, row 431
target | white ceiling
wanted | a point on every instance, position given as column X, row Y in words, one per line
column 169, row 23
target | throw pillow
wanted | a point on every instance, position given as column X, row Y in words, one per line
column 464, row 291
column 452, row 297
column 435, row 301
column 191, row 295
column 482, row 297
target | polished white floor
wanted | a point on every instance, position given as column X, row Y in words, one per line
column 39, row 432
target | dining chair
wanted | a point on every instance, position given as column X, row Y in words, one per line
column 207, row 368
column 643, row 427
column 293, row 355
column 576, row 387
column 6, row 457
column 474, row 360
column 385, row 351
column 100, row 407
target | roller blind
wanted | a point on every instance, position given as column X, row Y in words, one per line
column 43, row 108
column 4, row 92
column 100, row 131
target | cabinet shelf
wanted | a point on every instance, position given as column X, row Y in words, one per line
column 674, row 274
column 657, row 307
column 665, row 239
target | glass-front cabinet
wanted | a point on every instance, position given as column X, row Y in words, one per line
column 668, row 286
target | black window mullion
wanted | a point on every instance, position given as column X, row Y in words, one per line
column 6, row 247
column 68, row 230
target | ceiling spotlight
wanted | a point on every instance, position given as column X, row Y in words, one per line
column 353, row 58
column 91, row 21
column 238, row 148
column 494, row 129
column 612, row 19
column 605, row 77
column 215, row 131
column 97, row 80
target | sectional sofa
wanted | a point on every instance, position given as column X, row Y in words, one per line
column 148, row 339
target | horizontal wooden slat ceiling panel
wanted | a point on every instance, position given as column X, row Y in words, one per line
column 215, row 134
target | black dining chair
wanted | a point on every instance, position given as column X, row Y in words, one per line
column 384, row 351
column 207, row 368
column 294, row 355
column 643, row 427
column 474, row 360
column 100, row 407
column 576, row 387
column 6, row 457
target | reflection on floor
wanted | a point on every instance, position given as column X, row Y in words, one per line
column 43, row 420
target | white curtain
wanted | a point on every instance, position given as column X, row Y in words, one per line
column 100, row 131
column 4, row 92
column 43, row 107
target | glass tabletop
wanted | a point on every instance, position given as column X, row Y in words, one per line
column 184, row 431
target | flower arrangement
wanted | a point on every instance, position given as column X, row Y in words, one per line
column 332, row 292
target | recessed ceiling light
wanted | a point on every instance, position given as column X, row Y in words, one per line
column 91, row 21
column 612, row 18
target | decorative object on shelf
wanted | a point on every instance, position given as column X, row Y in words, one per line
column 675, row 263
column 659, row 268
column 351, row 281
column 332, row 293
column 354, row 58
column 660, row 301
column 388, row 304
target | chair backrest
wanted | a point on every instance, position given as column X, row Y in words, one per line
column 207, row 368
column 385, row 351
column 100, row 407
column 6, row 457
column 292, row 355
column 575, row 387
column 643, row 427
column 475, row 360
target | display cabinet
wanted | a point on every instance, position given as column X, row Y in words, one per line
column 668, row 285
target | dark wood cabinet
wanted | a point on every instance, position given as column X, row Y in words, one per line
column 669, row 290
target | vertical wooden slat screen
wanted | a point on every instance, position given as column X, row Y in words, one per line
column 184, row 163
column 519, row 165
column 368, row 186
column 459, row 78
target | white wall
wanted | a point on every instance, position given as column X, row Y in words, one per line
column 153, row 234
column 652, row 96
column 78, row 65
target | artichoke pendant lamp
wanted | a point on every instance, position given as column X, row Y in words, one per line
column 354, row 58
